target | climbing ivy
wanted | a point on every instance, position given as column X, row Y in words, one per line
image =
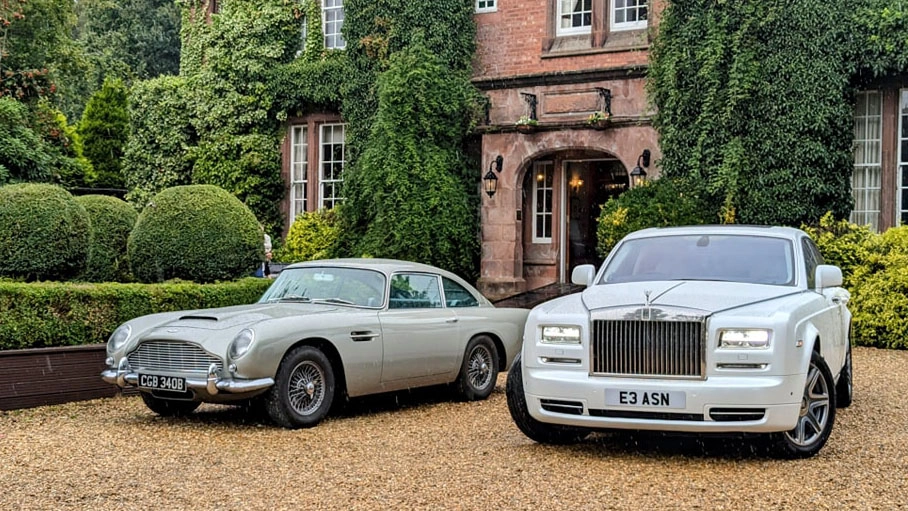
column 756, row 98
column 248, row 68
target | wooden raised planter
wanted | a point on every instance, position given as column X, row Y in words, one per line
column 48, row 376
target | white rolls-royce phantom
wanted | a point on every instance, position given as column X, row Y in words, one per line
column 692, row 329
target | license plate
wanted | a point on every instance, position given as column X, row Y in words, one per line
column 645, row 399
column 153, row 381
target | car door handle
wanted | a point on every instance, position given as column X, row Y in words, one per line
column 361, row 336
column 451, row 320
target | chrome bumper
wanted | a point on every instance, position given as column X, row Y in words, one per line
column 124, row 377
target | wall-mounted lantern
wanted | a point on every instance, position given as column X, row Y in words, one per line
column 638, row 175
column 490, row 181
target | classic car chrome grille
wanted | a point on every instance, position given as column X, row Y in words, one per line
column 170, row 356
column 647, row 348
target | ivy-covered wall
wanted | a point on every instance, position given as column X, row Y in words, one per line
column 756, row 99
column 248, row 68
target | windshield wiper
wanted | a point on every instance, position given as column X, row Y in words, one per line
column 291, row 298
column 333, row 300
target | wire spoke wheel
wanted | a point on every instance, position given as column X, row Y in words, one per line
column 479, row 370
column 307, row 387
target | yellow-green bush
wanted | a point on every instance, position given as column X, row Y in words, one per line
column 313, row 235
column 875, row 271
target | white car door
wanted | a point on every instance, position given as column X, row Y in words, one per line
column 421, row 336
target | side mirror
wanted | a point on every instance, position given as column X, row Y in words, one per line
column 828, row 276
column 583, row 275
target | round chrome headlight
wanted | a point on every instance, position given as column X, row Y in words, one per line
column 118, row 338
column 240, row 344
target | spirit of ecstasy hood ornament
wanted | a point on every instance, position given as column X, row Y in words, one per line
column 647, row 312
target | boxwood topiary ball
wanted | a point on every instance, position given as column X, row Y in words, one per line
column 197, row 232
column 44, row 232
column 112, row 220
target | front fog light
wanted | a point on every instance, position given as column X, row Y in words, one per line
column 560, row 335
column 745, row 338
column 240, row 344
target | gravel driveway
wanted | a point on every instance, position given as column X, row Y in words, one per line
column 420, row 451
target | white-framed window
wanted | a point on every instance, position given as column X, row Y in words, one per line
column 868, row 152
column 628, row 14
column 902, row 217
column 332, row 21
column 332, row 161
column 574, row 17
column 299, row 170
column 486, row 5
column 543, row 179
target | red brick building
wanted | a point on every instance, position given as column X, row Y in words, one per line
column 558, row 62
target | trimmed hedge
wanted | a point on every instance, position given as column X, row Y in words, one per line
column 111, row 222
column 44, row 232
column 197, row 232
column 46, row 314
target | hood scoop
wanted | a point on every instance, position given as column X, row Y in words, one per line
column 205, row 318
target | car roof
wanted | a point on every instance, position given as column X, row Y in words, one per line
column 386, row 266
column 731, row 230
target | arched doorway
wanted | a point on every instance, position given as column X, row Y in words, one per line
column 563, row 194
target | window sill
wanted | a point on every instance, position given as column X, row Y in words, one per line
column 621, row 41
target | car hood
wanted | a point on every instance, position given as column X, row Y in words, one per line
column 242, row 315
column 707, row 296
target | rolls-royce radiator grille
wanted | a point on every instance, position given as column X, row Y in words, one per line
column 647, row 348
column 172, row 356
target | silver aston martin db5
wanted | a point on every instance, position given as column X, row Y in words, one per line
column 323, row 331
column 695, row 329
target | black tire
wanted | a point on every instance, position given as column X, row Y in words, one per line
column 537, row 431
column 303, row 389
column 844, row 388
column 479, row 369
column 169, row 407
column 817, row 414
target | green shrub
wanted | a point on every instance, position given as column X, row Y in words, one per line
column 111, row 222
column 44, row 233
column 873, row 269
column 661, row 203
column 879, row 303
column 104, row 129
column 196, row 232
column 45, row 314
column 843, row 244
column 313, row 235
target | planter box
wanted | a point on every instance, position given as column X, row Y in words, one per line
column 48, row 376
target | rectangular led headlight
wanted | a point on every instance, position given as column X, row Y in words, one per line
column 745, row 338
column 560, row 335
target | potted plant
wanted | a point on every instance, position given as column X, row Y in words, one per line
column 598, row 120
column 526, row 125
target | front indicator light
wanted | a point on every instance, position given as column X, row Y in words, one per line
column 745, row 338
column 560, row 335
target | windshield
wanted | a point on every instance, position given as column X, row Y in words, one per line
column 731, row 258
column 326, row 284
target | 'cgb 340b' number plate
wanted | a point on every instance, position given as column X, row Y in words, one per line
column 645, row 399
column 153, row 381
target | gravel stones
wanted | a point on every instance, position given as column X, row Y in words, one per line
column 422, row 450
